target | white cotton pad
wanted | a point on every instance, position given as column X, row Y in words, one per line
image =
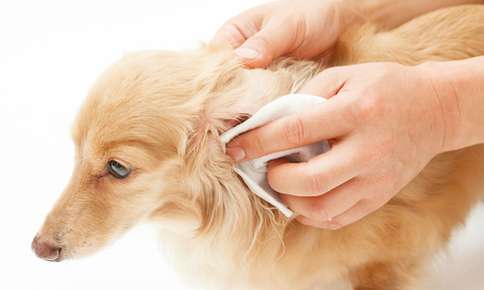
column 253, row 172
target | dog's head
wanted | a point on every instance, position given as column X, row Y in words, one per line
column 146, row 145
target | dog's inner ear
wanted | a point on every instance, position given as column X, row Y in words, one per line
column 240, row 118
column 254, row 88
column 233, row 99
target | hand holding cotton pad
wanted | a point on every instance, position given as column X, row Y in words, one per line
column 253, row 172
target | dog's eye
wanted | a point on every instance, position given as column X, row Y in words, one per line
column 117, row 169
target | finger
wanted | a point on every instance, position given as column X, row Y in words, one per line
column 230, row 35
column 269, row 43
column 322, row 209
column 359, row 211
column 329, row 120
column 312, row 223
column 238, row 29
column 318, row 175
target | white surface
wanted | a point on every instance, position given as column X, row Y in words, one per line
column 50, row 52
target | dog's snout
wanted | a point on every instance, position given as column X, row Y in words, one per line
column 46, row 250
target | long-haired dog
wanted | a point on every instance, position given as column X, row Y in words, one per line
column 147, row 148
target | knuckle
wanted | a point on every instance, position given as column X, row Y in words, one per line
column 316, row 211
column 244, row 26
column 254, row 146
column 230, row 25
column 379, row 149
column 264, row 44
column 316, row 183
column 229, row 33
column 296, row 26
column 350, row 115
column 369, row 155
column 366, row 108
column 294, row 131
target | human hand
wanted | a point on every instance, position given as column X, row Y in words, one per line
column 385, row 121
column 292, row 28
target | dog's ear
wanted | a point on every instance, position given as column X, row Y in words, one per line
column 226, row 93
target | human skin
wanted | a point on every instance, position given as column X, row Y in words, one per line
column 377, row 146
column 310, row 28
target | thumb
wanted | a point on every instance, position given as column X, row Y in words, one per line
column 269, row 43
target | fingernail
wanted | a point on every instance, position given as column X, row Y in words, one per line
column 236, row 153
column 247, row 53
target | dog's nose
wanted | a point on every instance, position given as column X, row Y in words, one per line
column 46, row 250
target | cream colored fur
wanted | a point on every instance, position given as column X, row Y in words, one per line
column 162, row 112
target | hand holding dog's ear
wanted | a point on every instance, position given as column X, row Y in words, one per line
column 302, row 29
column 385, row 122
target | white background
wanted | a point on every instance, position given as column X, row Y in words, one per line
column 50, row 53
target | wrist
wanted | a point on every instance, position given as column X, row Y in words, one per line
column 377, row 12
column 446, row 103
column 458, row 86
column 467, row 79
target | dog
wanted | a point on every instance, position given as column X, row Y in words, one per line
column 147, row 148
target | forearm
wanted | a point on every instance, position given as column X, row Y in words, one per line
column 391, row 13
column 460, row 84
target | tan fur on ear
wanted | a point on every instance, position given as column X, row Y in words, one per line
column 223, row 92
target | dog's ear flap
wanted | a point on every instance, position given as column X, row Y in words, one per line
column 245, row 93
column 228, row 94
